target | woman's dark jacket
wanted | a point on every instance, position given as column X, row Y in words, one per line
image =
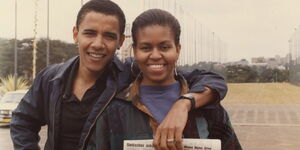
column 126, row 118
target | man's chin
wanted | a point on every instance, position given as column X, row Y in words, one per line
column 96, row 69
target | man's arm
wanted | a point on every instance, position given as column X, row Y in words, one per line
column 27, row 118
column 200, row 81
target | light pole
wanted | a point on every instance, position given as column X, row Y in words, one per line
column 48, row 42
column 16, row 56
column 34, row 51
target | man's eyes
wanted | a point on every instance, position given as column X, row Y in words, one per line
column 108, row 36
column 111, row 36
column 88, row 33
column 165, row 47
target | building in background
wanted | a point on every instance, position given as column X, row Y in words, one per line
column 276, row 62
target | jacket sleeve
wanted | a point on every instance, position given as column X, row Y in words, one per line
column 198, row 79
column 27, row 118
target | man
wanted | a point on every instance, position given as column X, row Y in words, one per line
column 69, row 97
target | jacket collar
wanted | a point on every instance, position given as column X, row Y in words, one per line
column 66, row 65
column 134, row 97
column 116, row 61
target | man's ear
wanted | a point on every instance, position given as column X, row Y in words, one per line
column 75, row 34
column 121, row 40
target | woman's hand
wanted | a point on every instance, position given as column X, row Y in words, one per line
column 169, row 133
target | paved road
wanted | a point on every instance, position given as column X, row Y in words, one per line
column 258, row 127
column 266, row 127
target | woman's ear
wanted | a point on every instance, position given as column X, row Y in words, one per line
column 178, row 49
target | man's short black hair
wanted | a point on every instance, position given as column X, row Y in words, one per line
column 102, row 6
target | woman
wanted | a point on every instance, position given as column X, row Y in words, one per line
column 156, row 47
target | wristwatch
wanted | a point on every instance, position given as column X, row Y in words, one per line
column 191, row 98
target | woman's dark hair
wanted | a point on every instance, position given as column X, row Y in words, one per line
column 102, row 6
column 156, row 17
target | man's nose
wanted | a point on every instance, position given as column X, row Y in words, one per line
column 98, row 42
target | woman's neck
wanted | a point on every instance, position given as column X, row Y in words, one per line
column 158, row 83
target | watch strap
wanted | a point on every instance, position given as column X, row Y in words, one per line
column 191, row 98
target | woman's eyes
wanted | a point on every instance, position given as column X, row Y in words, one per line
column 162, row 48
column 145, row 48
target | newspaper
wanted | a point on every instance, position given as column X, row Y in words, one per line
column 188, row 144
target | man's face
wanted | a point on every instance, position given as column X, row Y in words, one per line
column 98, row 37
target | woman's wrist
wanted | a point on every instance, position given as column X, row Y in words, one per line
column 185, row 103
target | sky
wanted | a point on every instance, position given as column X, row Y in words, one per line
column 250, row 28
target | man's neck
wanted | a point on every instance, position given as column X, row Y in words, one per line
column 88, row 76
column 84, row 80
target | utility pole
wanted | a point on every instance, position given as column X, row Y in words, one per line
column 195, row 41
column 16, row 47
column 34, row 40
column 48, row 42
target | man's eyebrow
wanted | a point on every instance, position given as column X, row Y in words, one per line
column 89, row 30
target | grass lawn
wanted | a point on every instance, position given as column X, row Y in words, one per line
column 262, row 93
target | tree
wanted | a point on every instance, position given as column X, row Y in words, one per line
column 59, row 52
column 240, row 74
column 274, row 75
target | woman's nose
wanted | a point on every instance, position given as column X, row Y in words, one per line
column 155, row 54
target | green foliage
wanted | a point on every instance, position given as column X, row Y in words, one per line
column 294, row 73
column 241, row 74
column 274, row 75
column 6, row 57
column 8, row 84
column 209, row 66
column 59, row 51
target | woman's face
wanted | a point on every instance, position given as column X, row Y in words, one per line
column 156, row 54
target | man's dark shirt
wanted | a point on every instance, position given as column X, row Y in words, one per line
column 75, row 112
